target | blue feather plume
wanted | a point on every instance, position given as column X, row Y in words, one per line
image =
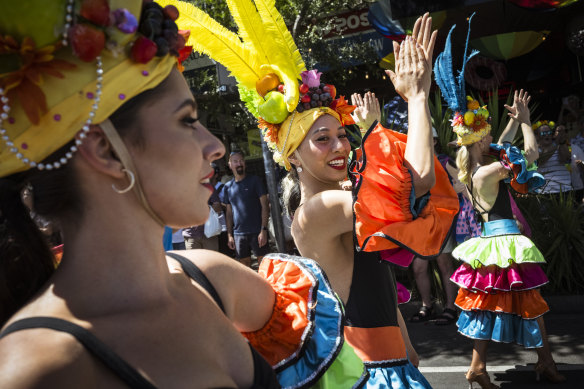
column 452, row 87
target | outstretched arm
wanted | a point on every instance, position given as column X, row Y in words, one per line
column 412, row 80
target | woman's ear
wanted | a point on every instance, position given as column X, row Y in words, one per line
column 294, row 159
column 99, row 154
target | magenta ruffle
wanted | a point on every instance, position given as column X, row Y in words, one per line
column 397, row 256
column 488, row 278
column 403, row 294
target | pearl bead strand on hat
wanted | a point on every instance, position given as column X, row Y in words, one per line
column 82, row 134
column 68, row 20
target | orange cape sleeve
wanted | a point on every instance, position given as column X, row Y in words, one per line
column 387, row 215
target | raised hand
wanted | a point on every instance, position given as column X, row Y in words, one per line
column 367, row 111
column 413, row 60
column 519, row 111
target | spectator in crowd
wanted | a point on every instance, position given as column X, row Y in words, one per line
column 217, row 182
column 577, row 172
column 444, row 261
column 194, row 237
column 572, row 116
column 247, row 212
column 178, row 242
column 554, row 155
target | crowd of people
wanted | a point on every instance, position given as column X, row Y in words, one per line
column 150, row 283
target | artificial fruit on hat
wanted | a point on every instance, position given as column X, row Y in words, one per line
column 267, row 83
column 96, row 11
column 86, row 41
column 143, row 50
column 273, row 109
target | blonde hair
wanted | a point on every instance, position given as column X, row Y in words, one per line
column 463, row 164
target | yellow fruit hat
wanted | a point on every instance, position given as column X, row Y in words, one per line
column 66, row 64
column 271, row 74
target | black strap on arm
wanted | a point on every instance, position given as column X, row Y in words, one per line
column 127, row 373
column 198, row 276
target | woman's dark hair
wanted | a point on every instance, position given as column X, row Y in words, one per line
column 26, row 260
column 291, row 192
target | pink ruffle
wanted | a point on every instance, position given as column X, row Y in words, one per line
column 403, row 294
column 397, row 256
column 489, row 278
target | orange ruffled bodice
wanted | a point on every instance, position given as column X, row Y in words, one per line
column 383, row 199
column 282, row 334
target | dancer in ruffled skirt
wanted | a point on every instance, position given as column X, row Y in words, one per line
column 500, row 273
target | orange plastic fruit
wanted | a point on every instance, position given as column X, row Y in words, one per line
column 267, row 83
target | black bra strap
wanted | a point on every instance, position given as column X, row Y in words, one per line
column 198, row 276
column 126, row 372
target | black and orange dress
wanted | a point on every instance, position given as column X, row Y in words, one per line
column 389, row 218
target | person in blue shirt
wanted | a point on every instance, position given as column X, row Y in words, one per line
column 246, row 212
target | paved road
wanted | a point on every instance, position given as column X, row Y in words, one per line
column 445, row 354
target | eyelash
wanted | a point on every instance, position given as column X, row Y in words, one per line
column 325, row 138
column 190, row 121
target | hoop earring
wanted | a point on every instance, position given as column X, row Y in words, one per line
column 299, row 169
column 132, row 182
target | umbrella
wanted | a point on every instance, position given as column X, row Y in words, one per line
column 543, row 4
column 509, row 45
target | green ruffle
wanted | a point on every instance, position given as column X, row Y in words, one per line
column 345, row 372
column 501, row 251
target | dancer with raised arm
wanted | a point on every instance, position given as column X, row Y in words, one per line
column 500, row 273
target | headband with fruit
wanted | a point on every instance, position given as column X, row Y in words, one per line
column 267, row 65
column 470, row 122
column 66, row 64
column 539, row 123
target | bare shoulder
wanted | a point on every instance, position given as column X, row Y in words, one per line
column 225, row 274
column 42, row 358
column 213, row 263
column 328, row 208
column 246, row 297
column 490, row 174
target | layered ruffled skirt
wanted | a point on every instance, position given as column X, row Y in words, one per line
column 498, row 283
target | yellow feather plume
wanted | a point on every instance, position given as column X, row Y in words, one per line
column 276, row 30
column 250, row 28
column 211, row 38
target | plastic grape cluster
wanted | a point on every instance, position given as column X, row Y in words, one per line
column 321, row 96
column 160, row 33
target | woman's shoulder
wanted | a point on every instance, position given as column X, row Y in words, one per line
column 326, row 209
column 41, row 357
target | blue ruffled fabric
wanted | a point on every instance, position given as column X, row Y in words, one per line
column 527, row 175
column 319, row 348
column 500, row 327
column 417, row 204
column 402, row 376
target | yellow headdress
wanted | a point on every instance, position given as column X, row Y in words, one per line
column 268, row 67
column 66, row 64
column 539, row 123
column 472, row 125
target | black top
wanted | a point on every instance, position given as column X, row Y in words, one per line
column 372, row 299
column 264, row 376
column 501, row 209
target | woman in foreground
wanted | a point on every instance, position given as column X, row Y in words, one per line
column 112, row 150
